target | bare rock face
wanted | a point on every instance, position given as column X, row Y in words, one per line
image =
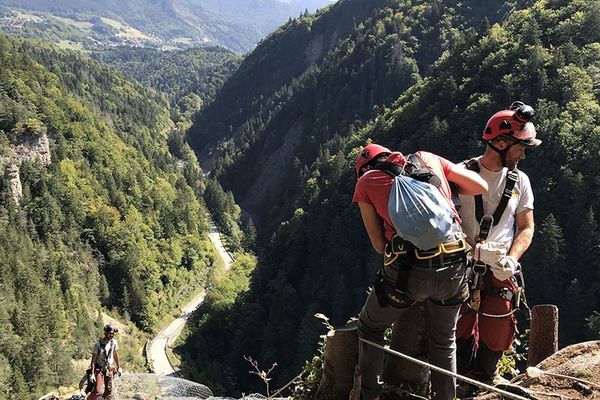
column 31, row 148
column 11, row 174
column 26, row 148
column 571, row 373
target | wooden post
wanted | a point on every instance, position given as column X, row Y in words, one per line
column 409, row 336
column 340, row 359
column 543, row 340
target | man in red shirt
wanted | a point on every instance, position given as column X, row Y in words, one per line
column 409, row 274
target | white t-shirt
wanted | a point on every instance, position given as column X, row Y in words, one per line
column 521, row 200
column 104, row 355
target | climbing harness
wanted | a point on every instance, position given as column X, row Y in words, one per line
column 397, row 247
column 480, row 269
column 487, row 221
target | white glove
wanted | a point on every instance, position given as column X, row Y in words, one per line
column 505, row 268
column 489, row 253
column 92, row 378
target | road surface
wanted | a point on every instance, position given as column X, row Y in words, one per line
column 158, row 346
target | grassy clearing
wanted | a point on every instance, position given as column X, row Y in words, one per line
column 125, row 31
column 85, row 25
column 69, row 45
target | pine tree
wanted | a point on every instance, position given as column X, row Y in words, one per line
column 544, row 264
column 18, row 385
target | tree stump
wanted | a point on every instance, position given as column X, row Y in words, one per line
column 409, row 336
column 340, row 360
column 543, row 340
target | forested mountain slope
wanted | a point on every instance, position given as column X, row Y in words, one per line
column 178, row 74
column 319, row 259
column 236, row 24
column 315, row 81
column 315, row 77
column 110, row 218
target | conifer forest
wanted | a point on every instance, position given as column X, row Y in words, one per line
column 118, row 157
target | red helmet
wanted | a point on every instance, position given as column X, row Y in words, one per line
column 367, row 154
column 513, row 123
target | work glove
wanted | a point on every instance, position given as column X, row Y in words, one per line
column 120, row 371
column 92, row 378
column 505, row 268
column 489, row 253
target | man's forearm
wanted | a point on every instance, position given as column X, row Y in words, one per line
column 521, row 243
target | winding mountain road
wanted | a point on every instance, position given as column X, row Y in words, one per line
column 157, row 348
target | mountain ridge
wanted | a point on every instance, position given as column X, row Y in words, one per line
column 237, row 25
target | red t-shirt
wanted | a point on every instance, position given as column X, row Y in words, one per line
column 374, row 186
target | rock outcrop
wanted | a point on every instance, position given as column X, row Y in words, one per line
column 31, row 148
column 11, row 174
column 26, row 148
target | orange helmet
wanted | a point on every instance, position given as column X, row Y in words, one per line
column 513, row 124
column 368, row 154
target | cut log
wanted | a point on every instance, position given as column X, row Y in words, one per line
column 340, row 360
column 543, row 340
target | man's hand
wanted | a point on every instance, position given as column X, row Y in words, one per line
column 505, row 268
column 92, row 378
column 489, row 253
column 119, row 371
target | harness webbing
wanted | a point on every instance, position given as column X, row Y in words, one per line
column 512, row 176
column 102, row 348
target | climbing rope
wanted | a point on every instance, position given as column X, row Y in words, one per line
column 446, row 372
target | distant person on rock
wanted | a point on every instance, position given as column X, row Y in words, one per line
column 105, row 364
column 499, row 225
column 409, row 273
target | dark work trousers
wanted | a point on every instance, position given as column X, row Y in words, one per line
column 480, row 363
column 424, row 284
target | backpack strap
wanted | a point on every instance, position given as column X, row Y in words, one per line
column 391, row 168
column 512, row 176
column 418, row 169
column 414, row 167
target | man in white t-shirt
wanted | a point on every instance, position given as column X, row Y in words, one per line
column 499, row 225
column 105, row 363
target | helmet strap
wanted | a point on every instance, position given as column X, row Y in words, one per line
column 501, row 152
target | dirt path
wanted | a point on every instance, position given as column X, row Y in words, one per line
column 158, row 346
